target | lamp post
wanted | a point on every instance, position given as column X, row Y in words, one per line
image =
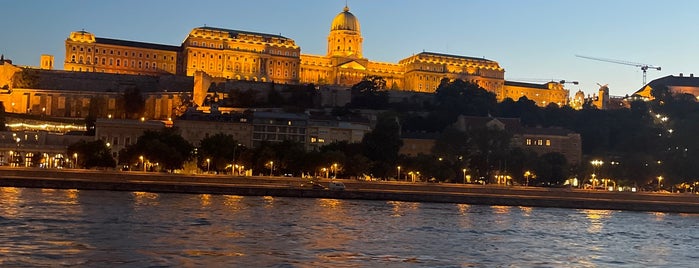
column 208, row 164
column 660, row 182
column 334, row 170
column 143, row 163
column 526, row 176
column 75, row 160
column 271, row 168
column 464, row 173
column 398, row 177
column 595, row 164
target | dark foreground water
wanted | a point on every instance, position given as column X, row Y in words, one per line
column 135, row 229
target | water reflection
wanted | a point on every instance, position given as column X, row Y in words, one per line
column 526, row 211
column 659, row 216
column 9, row 201
column 205, row 200
column 233, row 202
column 465, row 220
column 596, row 218
column 137, row 229
column 145, row 198
column 269, row 201
column 400, row 207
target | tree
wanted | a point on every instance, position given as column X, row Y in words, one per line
column 465, row 98
column 134, row 103
column 92, row 154
column 220, row 148
column 370, row 93
column 551, row 168
column 165, row 147
column 2, row 117
column 381, row 145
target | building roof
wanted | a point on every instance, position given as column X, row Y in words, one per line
column 549, row 131
column 345, row 21
column 524, row 84
column 453, row 56
column 512, row 125
column 234, row 33
column 127, row 43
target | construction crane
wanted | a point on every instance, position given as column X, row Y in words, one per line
column 644, row 67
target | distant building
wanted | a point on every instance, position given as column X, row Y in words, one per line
column 539, row 140
column 120, row 133
column 277, row 127
column 541, row 94
column 195, row 126
column 87, row 53
column 676, row 84
column 552, row 140
column 417, row 143
column 37, row 148
column 324, row 130
column 254, row 56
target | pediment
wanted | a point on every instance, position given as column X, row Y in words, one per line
column 352, row 65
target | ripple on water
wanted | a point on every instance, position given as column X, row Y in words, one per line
column 105, row 229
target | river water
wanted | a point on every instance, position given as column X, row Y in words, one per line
column 45, row 227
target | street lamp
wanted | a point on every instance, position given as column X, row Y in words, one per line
column 143, row 163
column 271, row 168
column 398, row 177
column 334, row 170
column 75, row 163
column 526, row 176
column 595, row 164
column 464, row 171
column 208, row 164
column 660, row 181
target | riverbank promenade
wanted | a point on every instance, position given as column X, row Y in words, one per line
column 397, row 191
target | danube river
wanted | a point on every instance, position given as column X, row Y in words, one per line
column 45, row 227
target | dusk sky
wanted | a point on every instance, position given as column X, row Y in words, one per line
column 532, row 39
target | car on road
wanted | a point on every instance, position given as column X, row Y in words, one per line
column 336, row 186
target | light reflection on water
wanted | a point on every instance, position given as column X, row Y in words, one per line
column 136, row 229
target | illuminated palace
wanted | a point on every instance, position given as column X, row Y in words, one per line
column 242, row 55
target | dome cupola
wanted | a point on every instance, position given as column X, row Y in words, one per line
column 345, row 21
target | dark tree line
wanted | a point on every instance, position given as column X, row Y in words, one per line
column 649, row 139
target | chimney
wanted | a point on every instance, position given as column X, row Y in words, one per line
column 681, row 75
column 691, row 75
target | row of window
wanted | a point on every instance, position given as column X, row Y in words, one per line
column 271, row 51
column 280, row 129
column 538, row 142
column 115, row 141
column 126, row 53
column 276, row 137
column 118, row 63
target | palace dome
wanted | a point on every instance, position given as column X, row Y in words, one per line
column 345, row 21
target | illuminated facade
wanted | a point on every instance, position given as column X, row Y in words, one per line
column 251, row 56
column 85, row 52
column 541, row 94
column 241, row 55
column 345, row 65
